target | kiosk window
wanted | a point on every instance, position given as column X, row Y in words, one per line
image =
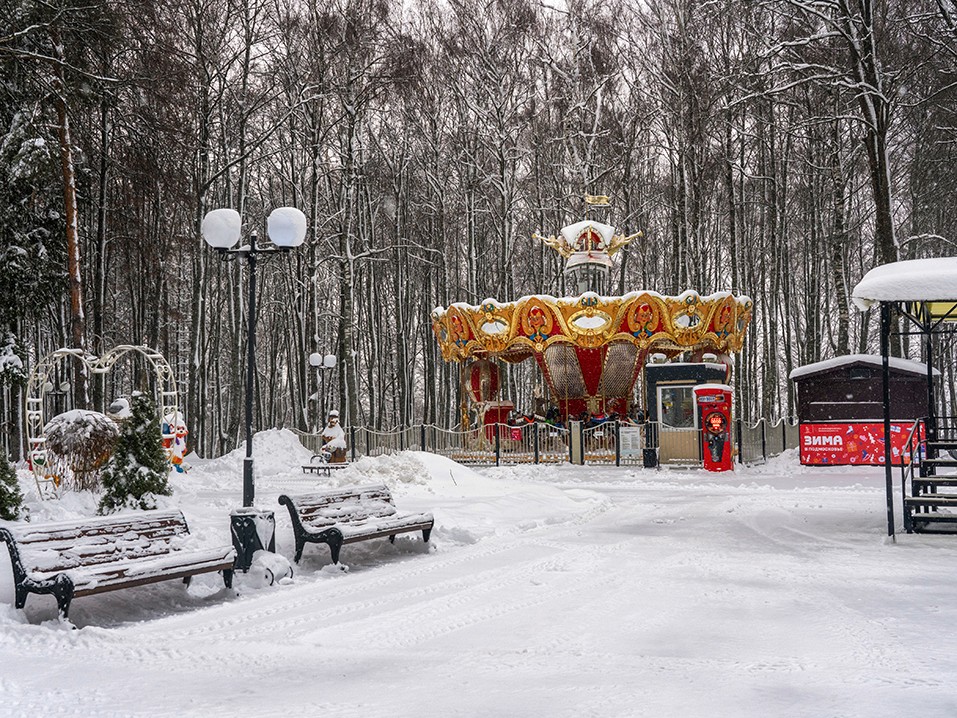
column 676, row 406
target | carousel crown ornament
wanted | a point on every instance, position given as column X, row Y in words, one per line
column 591, row 348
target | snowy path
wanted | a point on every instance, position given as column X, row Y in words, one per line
column 674, row 595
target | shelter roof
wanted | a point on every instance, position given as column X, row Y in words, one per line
column 821, row 367
column 913, row 280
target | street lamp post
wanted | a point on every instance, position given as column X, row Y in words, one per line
column 323, row 363
column 221, row 228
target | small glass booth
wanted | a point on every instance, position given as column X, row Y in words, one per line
column 673, row 410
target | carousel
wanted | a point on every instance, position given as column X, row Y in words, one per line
column 591, row 348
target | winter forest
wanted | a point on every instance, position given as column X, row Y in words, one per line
column 775, row 148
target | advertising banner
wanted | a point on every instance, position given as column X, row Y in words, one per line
column 853, row 443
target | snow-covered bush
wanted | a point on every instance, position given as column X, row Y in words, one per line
column 80, row 442
column 10, row 497
column 138, row 471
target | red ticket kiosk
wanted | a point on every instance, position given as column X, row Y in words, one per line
column 714, row 412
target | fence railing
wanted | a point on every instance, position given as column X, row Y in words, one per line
column 611, row 443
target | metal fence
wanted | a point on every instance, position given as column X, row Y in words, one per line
column 610, row 443
column 760, row 441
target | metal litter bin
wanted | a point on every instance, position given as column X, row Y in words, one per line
column 252, row 530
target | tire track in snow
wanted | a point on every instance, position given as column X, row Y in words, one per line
column 497, row 593
column 373, row 577
column 332, row 597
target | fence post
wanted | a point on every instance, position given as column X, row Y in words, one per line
column 352, row 441
column 422, row 438
column 617, row 442
column 498, row 429
column 764, row 439
column 401, row 439
column 740, row 445
column 784, row 435
column 535, row 440
column 365, row 431
column 576, row 443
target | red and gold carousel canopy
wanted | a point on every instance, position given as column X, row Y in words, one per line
column 591, row 348
column 515, row 331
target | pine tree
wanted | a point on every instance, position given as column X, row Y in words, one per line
column 138, row 470
column 10, row 497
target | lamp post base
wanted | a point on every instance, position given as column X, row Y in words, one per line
column 252, row 530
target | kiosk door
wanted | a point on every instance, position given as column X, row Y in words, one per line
column 678, row 435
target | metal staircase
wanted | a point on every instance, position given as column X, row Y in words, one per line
column 931, row 505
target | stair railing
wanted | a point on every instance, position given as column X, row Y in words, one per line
column 913, row 449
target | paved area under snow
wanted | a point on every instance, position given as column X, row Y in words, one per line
column 546, row 591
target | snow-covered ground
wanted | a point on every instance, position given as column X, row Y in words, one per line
column 546, row 591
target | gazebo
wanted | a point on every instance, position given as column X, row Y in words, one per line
column 923, row 293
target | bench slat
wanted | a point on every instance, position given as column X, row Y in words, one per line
column 158, row 568
column 100, row 524
column 337, row 496
column 346, row 512
column 352, row 532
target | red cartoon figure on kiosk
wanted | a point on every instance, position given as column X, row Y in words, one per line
column 714, row 410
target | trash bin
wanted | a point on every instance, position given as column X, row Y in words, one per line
column 649, row 458
column 252, row 530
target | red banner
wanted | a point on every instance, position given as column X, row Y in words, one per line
column 857, row 443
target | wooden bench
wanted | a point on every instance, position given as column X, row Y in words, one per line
column 348, row 515
column 79, row 558
column 322, row 466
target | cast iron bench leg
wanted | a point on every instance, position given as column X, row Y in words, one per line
column 21, row 595
column 335, row 543
column 63, row 591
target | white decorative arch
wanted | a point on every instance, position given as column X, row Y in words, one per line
column 47, row 482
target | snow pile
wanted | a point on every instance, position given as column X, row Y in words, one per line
column 275, row 452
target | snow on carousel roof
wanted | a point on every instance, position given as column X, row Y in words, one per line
column 913, row 280
column 515, row 331
column 905, row 365
column 572, row 232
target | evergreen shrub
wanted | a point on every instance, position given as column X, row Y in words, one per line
column 138, row 470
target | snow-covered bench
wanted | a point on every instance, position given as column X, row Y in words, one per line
column 69, row 559
column 319, row 463
column 348, row 515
